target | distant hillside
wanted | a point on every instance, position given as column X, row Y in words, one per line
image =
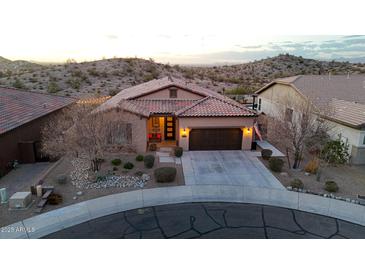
column 8, row 67
column 107, row 77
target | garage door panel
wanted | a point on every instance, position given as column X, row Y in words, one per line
column 215, row 139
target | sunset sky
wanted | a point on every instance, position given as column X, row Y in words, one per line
column 190, row 32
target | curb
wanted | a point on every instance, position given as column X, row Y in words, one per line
column 52, row 221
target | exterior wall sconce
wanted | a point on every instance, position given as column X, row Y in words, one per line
column 247, row 131
column 184, row 133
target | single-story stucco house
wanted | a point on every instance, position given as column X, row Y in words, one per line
column 22, row 114
column 173, row 112
column 343, row 95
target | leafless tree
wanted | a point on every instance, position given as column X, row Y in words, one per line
column 79, row 131
column 300, row 126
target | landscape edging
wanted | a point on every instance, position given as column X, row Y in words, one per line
column 55, row 220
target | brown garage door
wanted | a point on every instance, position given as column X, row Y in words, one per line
column 215, row 139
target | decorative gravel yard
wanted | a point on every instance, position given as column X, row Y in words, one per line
column 73, row 180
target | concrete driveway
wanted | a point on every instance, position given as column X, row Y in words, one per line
column 227, row 167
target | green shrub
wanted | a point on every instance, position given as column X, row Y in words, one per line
column 335, row 152
column 331, row 186
column 149, row 161
column 165, row 174
column 61, row 179
column 296, row 183
column 128, row 165
column 276, row 164
column 178, row 151
column 116, row 162
column 139, row 158
column 266, row 154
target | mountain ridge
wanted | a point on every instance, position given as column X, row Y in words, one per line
column 109, row 76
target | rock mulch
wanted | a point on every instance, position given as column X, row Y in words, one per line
column 82, row 178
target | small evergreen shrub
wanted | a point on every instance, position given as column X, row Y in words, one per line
column 149, row 161
column 296, row 183
column 331, row 186
column 165, row 174
column 116, row 162
column 139, row 158
column 335, row 152
column 312, row 166
column 128, row 165
column 276, row 164
column 178, row 151
column 266, row 154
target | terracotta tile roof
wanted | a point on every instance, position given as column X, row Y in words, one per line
column 215, row 107
column 154, row 85
column 19, row 107
column 349, row 113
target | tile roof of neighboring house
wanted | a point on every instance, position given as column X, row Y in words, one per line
column 350, row 113
column 324, row 87
column 346, row 91
column 214, row 107
column 18, row 107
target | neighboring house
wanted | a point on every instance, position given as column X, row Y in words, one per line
column 170, row 111
column 342, row 95
column 21, row 116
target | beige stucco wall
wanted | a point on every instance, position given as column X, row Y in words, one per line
column 216, row 122
column 277, row 97
column 165, row 94
column 139, row 129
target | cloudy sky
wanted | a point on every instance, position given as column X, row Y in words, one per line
column 188, row 31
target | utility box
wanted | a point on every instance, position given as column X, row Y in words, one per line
column 3, row 196
column 20, row 200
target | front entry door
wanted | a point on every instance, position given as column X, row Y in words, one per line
column 169, row 128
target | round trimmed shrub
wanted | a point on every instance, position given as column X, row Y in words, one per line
column 178, row 151
column 266, row 154
column 61, row 179
column 128, row 165
column 149, row 161
column 297, row 183
column 165, row 174
column 116, row 162
column 139, row 158
column 276, row 164
column 331, row 186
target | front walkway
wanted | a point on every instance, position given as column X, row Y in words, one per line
column 227, row 168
